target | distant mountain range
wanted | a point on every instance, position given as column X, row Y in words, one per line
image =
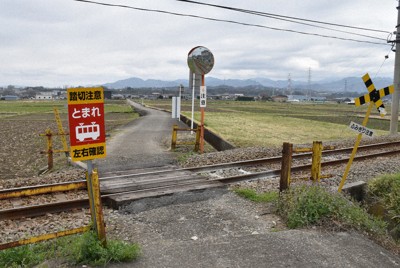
column 349, row 84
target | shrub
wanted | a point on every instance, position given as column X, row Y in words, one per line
column 81, row 249
column 89, row 250
column 306, row 205
column 23, row 256
column 387, row 190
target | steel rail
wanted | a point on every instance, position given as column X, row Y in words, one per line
column 65, row 186
column 37, row 210
column 41, row 189
column 56, row 187
column 260, row 161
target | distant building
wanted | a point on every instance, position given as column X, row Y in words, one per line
column 318, row 99
column 245, row 98
column 297, row 98
column 343, row 100
column 9, row 97
column 118, row 97
column 280, row 98
column 44, row 96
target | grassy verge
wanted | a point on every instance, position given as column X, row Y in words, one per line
column 384, row 192
column 313, row 205
column 303, row 206
column 270, row 123
column 257, row 197
column 82, row 249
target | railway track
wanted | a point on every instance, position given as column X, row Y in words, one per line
column 124, row 187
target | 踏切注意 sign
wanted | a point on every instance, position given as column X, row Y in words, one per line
column 86, row 123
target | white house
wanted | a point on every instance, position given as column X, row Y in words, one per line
column 44, row 96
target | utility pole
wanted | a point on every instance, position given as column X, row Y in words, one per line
column 309, row 83
column 289, row 87
column 395, row 96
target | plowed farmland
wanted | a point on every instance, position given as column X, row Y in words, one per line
column 21, row 124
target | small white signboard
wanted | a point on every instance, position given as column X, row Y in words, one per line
column 203, row 96
column 361, row 129
column 176, row 107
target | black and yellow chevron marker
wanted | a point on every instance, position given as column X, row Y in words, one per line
column 374, row 95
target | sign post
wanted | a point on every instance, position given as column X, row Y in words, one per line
column 181, row 88
column 88, row 141
column 373, row 97
column 200, row 62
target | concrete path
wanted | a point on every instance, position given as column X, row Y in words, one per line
column 143, row 143
column 216, row 228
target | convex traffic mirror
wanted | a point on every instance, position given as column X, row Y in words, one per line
column 200, row 60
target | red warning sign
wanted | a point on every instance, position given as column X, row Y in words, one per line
column 86, row 123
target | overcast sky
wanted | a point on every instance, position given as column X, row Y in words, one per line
column 70, row 43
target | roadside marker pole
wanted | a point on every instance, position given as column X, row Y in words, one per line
column 49, row 149
column 174, row 137
column 191, row 84
column 202, row 121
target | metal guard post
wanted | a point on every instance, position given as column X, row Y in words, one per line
column 316, row 161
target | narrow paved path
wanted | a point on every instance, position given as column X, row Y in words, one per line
column 144, row 143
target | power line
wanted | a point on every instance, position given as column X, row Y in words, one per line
column 271, row 15
column 293, row 20
column 228, row 21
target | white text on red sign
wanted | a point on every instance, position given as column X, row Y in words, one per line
column 86, row 112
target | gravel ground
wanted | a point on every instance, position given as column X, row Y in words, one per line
column 216, row 222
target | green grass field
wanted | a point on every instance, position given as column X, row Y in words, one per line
column 270, row 123
column 9, row 108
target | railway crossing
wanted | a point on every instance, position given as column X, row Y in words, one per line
column 374, row 97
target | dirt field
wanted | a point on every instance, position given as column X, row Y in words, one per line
column 21, row 144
